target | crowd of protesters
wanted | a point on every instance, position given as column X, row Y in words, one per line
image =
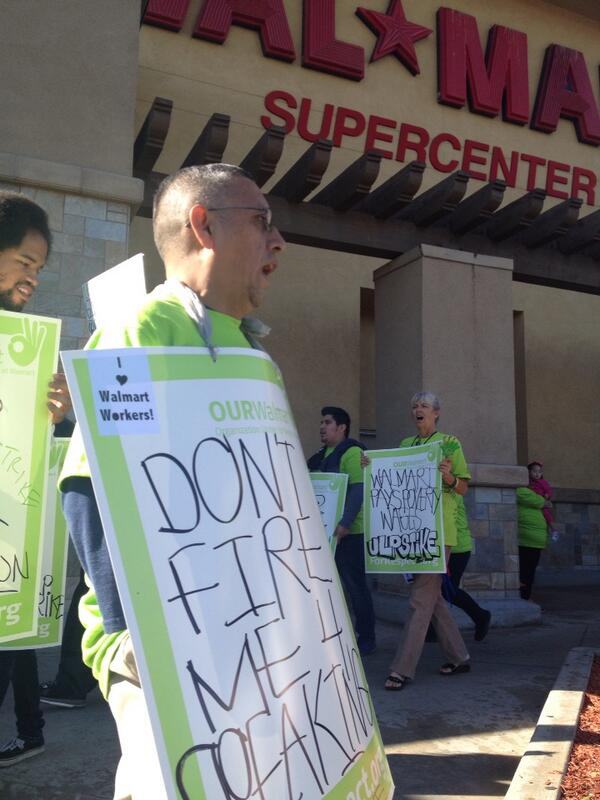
column 213, row 229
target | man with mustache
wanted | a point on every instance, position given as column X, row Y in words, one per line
column 24, row 246
column 212, row 228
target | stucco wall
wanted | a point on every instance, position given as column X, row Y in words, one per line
column 69, row 80
column 562, row 364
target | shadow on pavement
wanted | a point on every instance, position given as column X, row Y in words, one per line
column 464, row 775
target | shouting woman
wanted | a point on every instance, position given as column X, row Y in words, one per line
column 426, row 603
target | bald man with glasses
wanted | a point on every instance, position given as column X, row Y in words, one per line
column 212, row 227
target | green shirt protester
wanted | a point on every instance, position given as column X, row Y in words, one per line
column 342, row 454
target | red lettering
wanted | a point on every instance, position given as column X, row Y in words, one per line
column 168, row 14
column 503, row 74
column 269, row 19
column 442, row 151
column 321, row 50
column 374, row 135
column 584, row 180
column 405, row 143
column 534, row 162
column 553, row 178
column 287, row 119
column 326, row 121
column 498, row 163
column 341, row 129
column 395, row 34
column 436, row 142
column 470, row 157
column 565, row 91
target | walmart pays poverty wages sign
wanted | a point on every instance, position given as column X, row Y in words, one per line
column 28, row 353
column 403, row 510
column 243, row 641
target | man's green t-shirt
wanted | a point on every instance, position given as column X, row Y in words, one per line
column 350, row 465
column 161, row 321
column 452, row 449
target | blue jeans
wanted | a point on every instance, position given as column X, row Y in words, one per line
column 350, row 561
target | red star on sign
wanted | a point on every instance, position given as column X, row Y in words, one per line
column 394, row 34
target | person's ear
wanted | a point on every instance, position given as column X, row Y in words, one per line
column 198, row 223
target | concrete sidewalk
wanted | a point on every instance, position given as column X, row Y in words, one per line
column 446, row 737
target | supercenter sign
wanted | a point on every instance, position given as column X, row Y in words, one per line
column 494, row 83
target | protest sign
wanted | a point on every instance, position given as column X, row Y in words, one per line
column 244, row 645
column 330, row 490
column 113, row 292
column 51, row 597
column 28, row 353
column 404, row 529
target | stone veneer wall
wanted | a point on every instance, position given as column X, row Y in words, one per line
column 89, row 235
column 575, row 557
column 493, row 569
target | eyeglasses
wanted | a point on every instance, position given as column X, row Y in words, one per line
column 265, row 214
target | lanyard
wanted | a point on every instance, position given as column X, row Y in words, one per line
column 252, row 328
column 416, row 441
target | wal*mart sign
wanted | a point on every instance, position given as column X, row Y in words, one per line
column 494, row 83
column 242, row 637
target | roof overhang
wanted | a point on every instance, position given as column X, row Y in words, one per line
column 587, row 8
column 549, row 246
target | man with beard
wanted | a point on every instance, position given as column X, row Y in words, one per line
column 24, row 246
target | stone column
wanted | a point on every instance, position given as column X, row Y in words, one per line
column 444, row 323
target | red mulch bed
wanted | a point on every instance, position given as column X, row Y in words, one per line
column 582, row 780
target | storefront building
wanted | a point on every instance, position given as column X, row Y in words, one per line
column 435, row 169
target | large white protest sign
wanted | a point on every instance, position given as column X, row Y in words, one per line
column 244, row 644
column 330, row 490
column 404, row 529
column 28, row 354
column 114, row 291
